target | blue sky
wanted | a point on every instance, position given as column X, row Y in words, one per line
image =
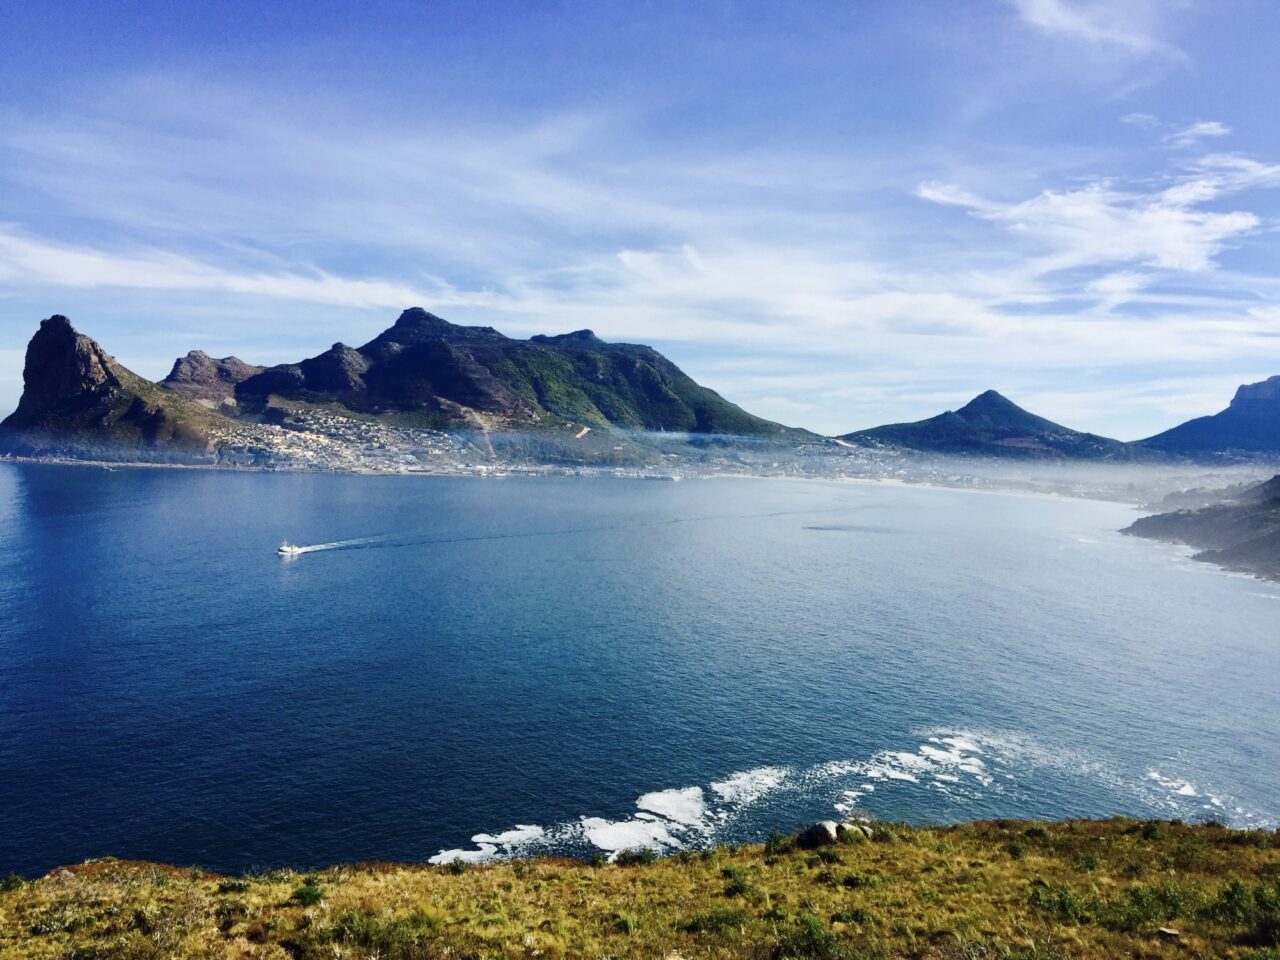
column 838, row 215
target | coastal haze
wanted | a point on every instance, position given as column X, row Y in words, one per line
column 490, row 668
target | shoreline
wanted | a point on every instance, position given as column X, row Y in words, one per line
column 987, row 888
column 567, row 472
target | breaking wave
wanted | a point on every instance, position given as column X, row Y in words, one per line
column 966, row 771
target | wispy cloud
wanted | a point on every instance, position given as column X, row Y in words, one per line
column 1146, row 121
column 1130, row 25
column 1192, row 135
column 25, row 260
column 806, row 280
column 1101, row 224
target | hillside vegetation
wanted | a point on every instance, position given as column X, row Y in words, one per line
column 1119, row 888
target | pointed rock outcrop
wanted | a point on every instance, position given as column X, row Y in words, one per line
column 79, row 401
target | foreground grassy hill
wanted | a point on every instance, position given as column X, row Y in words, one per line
column 1118, row 888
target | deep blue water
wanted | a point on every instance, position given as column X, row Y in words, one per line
column 565, row 664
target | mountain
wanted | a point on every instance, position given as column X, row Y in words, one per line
column 207, row 380
column 446, row 374
column 1248, row 429
column 1242, row 533
column 422, row 371
column 992, row 425
column 77, row 400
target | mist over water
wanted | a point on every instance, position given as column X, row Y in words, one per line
column 464, row 668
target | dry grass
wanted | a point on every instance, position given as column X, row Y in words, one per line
column 974, row 892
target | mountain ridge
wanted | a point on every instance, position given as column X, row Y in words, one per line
column 991, row 424
column 1249, row 427
column 78, row 400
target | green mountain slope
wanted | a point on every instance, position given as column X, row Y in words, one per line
column 461, row 375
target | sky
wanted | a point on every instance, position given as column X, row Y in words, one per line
column 835, row 214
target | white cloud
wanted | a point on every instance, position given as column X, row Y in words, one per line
column 1144, row 120
column 856, row 300
column 31, row 262
column 1129, row 25
column 1098, row 225
column 1192, row 135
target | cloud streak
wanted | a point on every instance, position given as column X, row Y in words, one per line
column 1129, row 25
column 27, row 261
column 813, row 281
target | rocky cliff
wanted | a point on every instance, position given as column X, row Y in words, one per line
column 78, row 400
column 1241, row 533
column 1248, row 429
column 208, row 380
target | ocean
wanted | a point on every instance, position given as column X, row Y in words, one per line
column 466, row 668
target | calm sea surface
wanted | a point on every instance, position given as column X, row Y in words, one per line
column 521, row 666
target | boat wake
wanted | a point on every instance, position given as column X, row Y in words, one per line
column 296, row 549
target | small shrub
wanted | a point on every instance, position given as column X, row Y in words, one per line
column 720, row 920
column 856, row 879
column 853, row 915
column 234, row 885
column 1151, row 831
column 625, row 923
column 1234, row 905
column 457, row 867
column 309, row 894
column 1015, row 849
column 777, row 844
column 599, row 859
column 59, row 918
column 380, row 936
column 1085, row 862
column 1060, row 902
column 1265, row 931
column 810, row 939
column 11, row 883
column 641, row 856
column 828, row 856
column 229, row 913
column 737, row 885
column 1036, row 833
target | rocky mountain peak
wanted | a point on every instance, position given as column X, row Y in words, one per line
column 578, row 338
column 199, row 376
column 1264, row 392
column 62, row 363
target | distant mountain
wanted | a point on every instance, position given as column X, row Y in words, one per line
column 446, row 374
column 992, row 425
column 77, row 400
column 1242, row 533
column 207, row 380
column 1248, row 429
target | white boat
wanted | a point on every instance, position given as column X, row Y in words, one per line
column 288, row 549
